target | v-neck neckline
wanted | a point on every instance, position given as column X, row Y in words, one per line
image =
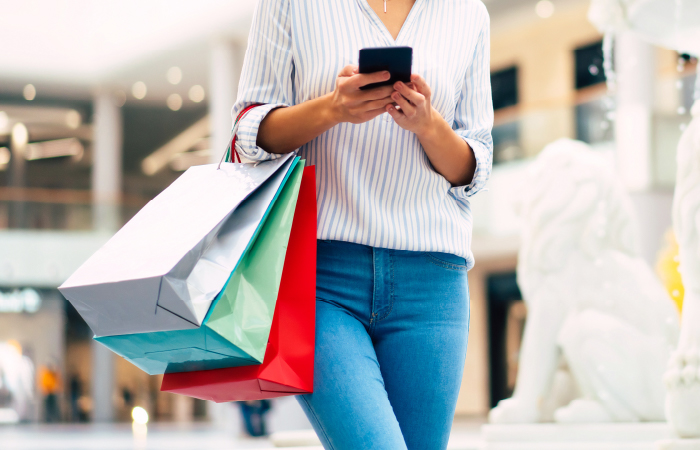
column 374, row 17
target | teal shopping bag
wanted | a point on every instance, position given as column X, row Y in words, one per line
column 236, row 328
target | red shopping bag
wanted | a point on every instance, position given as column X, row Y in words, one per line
column 288, row 365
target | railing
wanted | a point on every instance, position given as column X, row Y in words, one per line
column 521, row 133
column 60, row 209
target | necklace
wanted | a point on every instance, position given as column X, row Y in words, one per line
column 384, row 5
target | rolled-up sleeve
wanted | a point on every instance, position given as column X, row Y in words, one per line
column 267, row 76
column 474, row 113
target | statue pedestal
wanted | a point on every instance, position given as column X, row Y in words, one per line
column 551, row 436
column 679, row 444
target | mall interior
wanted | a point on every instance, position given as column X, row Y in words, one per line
column 104, row 104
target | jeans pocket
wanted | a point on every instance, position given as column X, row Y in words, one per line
column 447, row 260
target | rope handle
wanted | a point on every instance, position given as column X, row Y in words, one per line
column 231, row 149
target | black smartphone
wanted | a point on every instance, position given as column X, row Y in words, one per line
column 397, row 60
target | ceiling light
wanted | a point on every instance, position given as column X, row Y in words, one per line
column 183, row 161
column 174, row 75
column 54, row 149
column 4, row 121
column 191, row 137
column 4, row 157
column 196, row 93
column 20, row 135
column 29, row 92
column 174, row 102
column 544, row 8
column 138, row 90
column 73, row 119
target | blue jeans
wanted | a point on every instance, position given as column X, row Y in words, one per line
column 391, row 339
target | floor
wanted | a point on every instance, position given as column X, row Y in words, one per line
column 465, row 436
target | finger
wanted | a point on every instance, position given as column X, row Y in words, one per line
column 396, row 114
column 375, row 94
column 420, row 84
column 363, row 79
column 347, row 71
column 407, row 108
column 371, row 114
column 411, row 95
column 379, row 104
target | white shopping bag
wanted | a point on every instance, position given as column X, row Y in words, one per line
column 162, row 270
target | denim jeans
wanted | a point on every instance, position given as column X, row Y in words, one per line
column 391, row 339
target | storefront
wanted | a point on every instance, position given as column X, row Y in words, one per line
column 32, row 348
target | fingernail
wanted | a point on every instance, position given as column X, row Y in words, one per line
column 387, row 75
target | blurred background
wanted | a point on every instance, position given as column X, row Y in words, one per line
column 103, row 104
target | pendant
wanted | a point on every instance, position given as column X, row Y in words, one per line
column 384, row 5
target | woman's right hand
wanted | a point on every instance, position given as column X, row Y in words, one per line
column 350, row 104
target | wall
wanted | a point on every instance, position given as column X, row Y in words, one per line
column 543, row 51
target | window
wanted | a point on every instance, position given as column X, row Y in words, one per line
column 504, row 88
column 589, row 65
column 506, row 135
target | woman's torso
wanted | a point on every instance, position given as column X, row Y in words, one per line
column 376, row 185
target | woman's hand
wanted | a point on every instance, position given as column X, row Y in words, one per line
column 350, row 104
column 416, row 114
column 450, row 155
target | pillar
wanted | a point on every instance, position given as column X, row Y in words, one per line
column 19, row 140
column 635, row 67
column 106, row 193
column 226, row 62
column 106, row 162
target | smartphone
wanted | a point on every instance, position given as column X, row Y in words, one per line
column 397, row 60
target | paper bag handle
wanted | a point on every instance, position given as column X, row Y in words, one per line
column 231, row 149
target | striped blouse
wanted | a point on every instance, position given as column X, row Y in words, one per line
column 375, row 183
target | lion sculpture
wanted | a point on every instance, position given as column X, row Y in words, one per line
column 594, row 306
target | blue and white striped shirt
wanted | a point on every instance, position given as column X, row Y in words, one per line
column 375, row 184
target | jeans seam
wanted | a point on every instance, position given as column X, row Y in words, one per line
column 320, row 426
column 391, row 291
column 374, row 293
column 445, row 265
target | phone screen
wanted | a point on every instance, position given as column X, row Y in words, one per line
column 397, row 60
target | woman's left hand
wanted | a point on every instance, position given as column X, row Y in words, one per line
column 416, row 114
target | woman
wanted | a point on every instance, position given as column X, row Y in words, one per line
column 395, row 168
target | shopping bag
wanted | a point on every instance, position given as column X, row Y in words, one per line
column 287, row 368
column 235, row 331
column 163, row 269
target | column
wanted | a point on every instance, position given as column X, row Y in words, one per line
column 106, row 162
column 636, row 70
column 102, row 386
column 19, row 140
column 106, row 193
column 226, row 62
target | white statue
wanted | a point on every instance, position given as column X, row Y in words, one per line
column 673, row 24
column 592, row 301
column 683, row 376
